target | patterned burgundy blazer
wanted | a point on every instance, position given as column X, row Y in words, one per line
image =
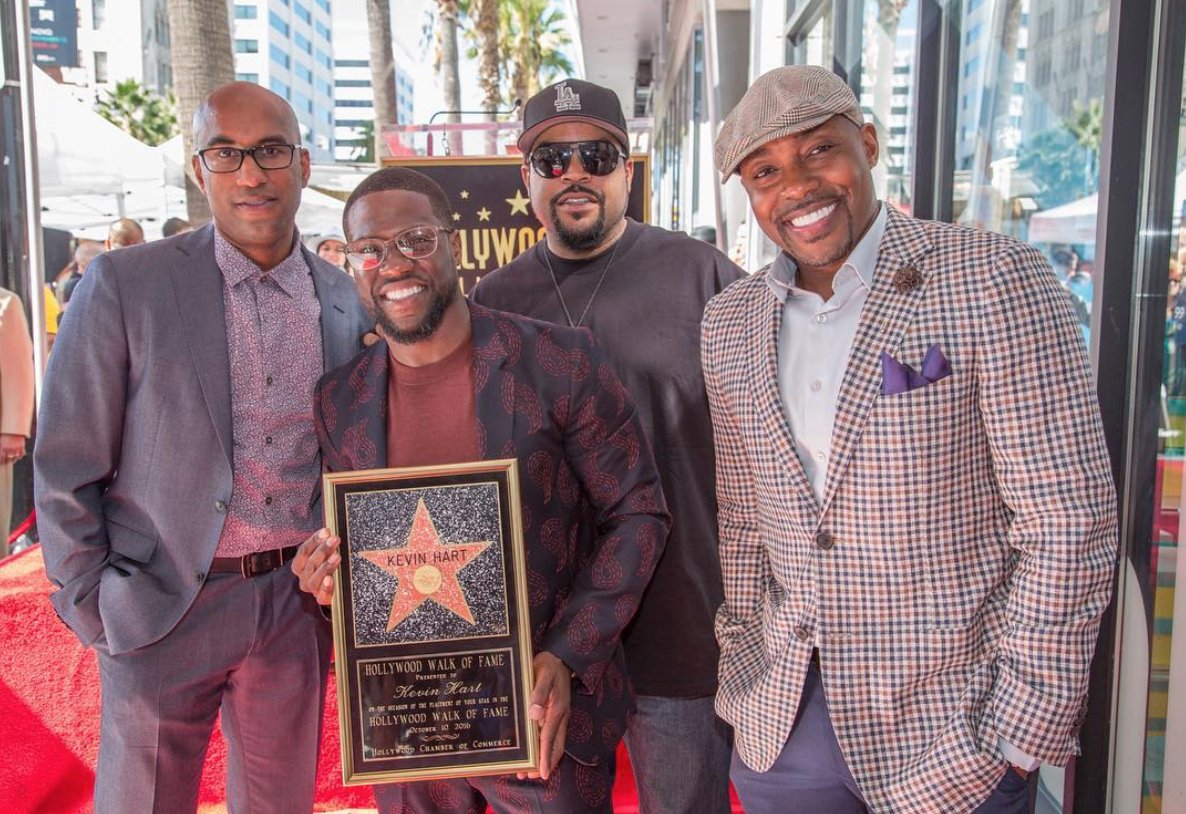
column 594, row 518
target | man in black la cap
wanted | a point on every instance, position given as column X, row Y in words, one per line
column 642, row 291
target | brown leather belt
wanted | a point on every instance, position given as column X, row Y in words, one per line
column 254, row 564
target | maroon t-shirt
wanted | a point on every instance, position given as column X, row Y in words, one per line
column 431, row 417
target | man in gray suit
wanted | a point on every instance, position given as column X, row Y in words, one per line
column 176, row 470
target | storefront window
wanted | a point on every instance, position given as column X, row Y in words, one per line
column 1029, row 124
column 1165, row 716
column 816, row 47
column 889, row 40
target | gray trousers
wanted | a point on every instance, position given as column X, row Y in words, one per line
column 811, row 772
column 255, row 649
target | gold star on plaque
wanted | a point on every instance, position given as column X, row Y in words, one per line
column 465, row 194
column 425, row 568
column 456, row 216
column 518, row 203
column 483, row 214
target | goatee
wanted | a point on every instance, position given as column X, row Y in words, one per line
column 584, row 235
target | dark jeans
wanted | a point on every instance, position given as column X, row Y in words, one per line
column 679, row 750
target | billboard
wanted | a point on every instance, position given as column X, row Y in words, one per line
column 53, row 29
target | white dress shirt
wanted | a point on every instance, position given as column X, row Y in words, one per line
column 814, row 342
column 813, row 345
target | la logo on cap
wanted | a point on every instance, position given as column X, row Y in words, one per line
column 566, row 99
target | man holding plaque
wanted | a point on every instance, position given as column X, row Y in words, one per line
column 455, row 382
column 641, row 290
column 175, row 468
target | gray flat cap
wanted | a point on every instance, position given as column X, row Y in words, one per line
column 783, row 101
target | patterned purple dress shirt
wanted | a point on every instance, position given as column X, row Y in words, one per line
column 273, row 332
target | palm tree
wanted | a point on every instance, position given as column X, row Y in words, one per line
column 382, row 66
column 486, row 25
column 530, row 46
column 1086, row 124
column 200, row 39
column 447, row 64
column 364, row 151
column 538, row 39
column 139, row 112
column 482, row 29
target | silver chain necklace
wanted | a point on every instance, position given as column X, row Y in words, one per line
column 593, row 296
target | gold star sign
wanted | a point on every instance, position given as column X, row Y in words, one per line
column 518, row 203
column 425, row 568
column 483, row 214
column 465, row 194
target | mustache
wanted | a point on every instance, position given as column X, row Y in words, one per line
column 578, row 188
column 792, row 209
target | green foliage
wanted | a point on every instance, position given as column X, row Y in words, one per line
column 138, row 111
column 533, row 43
column 1064, row 160
column 1059, row 165
column 1087, row 124
column 365, row 153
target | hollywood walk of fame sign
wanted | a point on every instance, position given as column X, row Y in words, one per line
column 492, row 213
column 431, row 625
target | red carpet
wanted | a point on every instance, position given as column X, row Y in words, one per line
column 49, row 705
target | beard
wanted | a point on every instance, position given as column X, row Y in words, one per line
column 441, row 300
column 582, row 235
column 822, row 255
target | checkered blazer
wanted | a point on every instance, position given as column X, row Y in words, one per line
column 954, row 575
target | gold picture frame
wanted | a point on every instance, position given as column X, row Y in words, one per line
column 432, row 629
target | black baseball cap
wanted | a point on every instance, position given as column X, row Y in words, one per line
column 573, row 100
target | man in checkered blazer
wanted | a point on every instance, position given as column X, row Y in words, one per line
column 917, row 518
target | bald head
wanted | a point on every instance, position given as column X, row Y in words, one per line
column 85, row 252
column 243, row 95
column 124, row 232
column 253, row 195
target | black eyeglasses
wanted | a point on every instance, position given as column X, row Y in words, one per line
column 597, row 157
column 415, row 243
column 230, row 159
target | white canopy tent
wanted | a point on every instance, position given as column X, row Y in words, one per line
column 1070, row 223
column 81, row 153
column 1074, row 222
column 91, row 172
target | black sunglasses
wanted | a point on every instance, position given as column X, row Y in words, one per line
column 597, row 157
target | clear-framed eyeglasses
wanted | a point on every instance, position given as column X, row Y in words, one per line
column 224, row 158
column 414, row 243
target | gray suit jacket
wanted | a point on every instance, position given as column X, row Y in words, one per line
column 132, row 465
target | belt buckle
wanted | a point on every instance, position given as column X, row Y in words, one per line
column 258, row 562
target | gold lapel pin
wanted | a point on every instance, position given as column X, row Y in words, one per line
column 906, row 279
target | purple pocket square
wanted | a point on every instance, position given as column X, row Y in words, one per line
column 898, row 378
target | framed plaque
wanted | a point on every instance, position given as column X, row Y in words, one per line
column 432, row 636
